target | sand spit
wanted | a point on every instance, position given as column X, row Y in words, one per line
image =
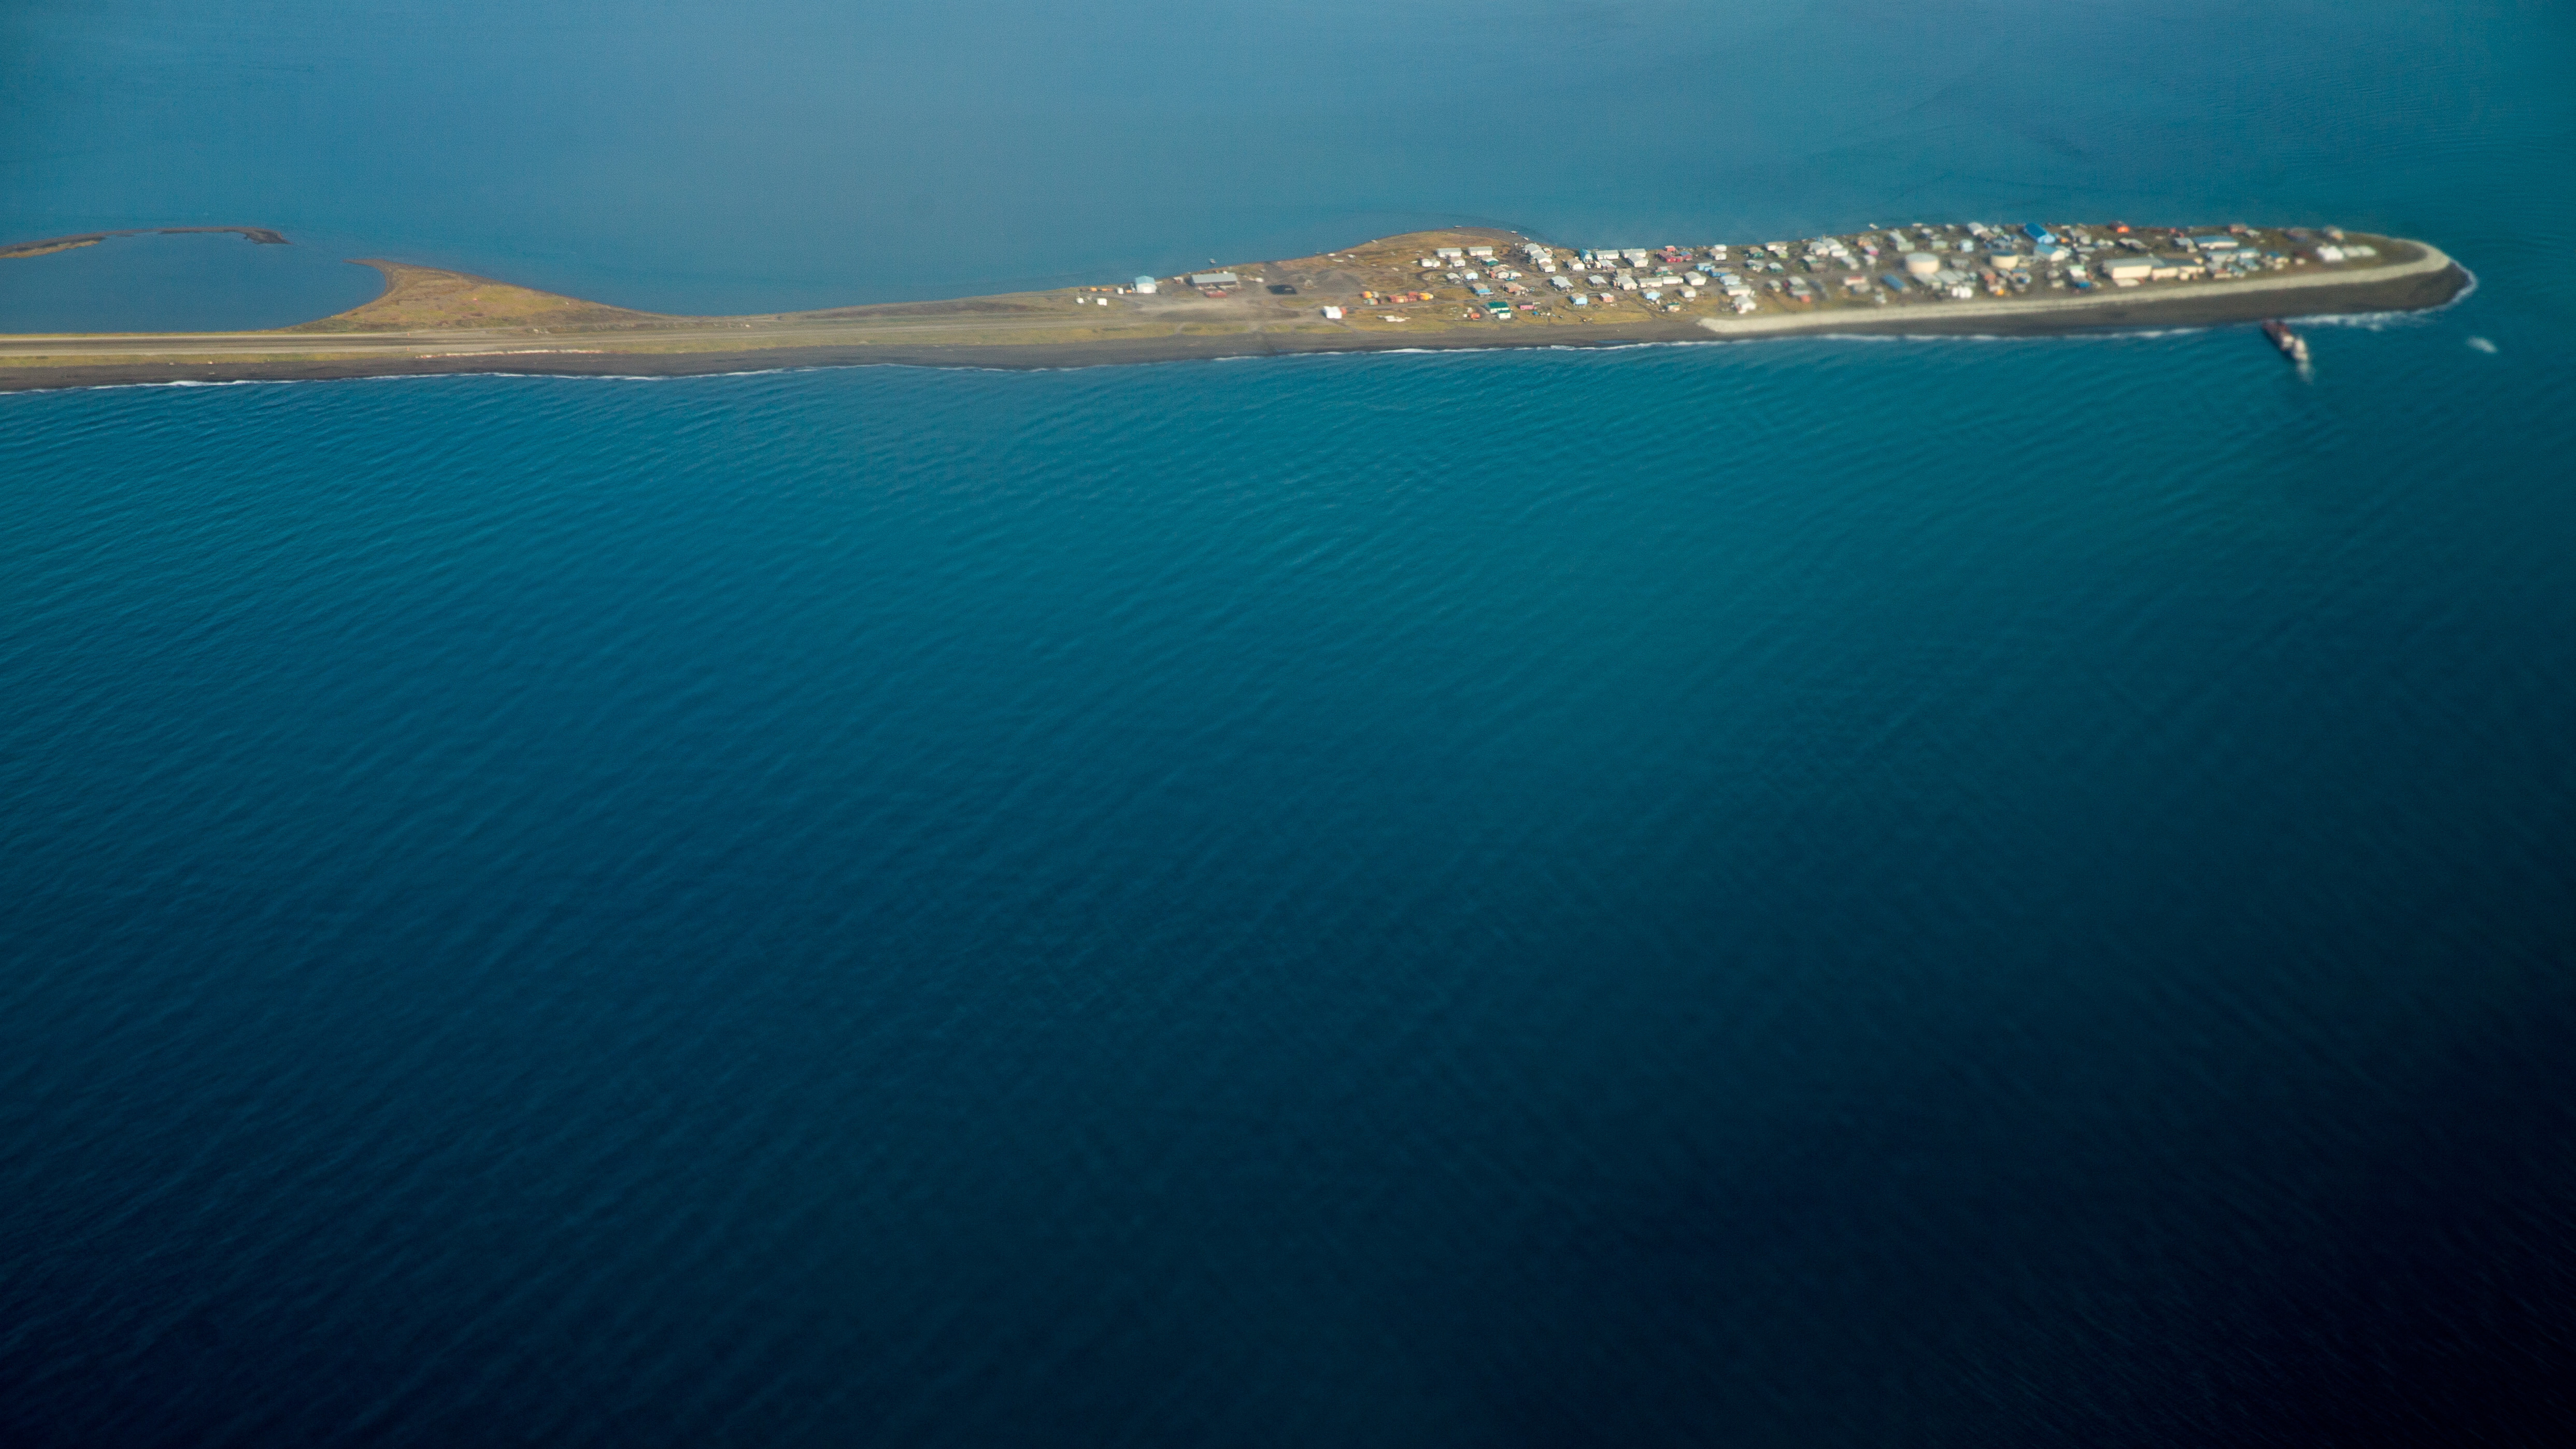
column 1460, row 289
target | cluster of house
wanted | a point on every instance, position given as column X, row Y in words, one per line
column 2184, row 256
column 1949, row 262
column 2126, row 259
column 1668, row 276
column 1498, row 288
column 1876, row 265
column 1495, row 282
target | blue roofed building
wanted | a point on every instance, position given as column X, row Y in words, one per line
column 2036, row 232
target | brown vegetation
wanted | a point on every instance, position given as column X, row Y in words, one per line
column 426, row 299
column 51, row 245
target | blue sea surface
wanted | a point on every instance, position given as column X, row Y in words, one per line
column 1812, row 893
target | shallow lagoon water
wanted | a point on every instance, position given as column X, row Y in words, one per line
column 1821, row 892
column 806, row 153
column 190, row 282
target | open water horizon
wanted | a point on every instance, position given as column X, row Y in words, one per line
column 1813, row 892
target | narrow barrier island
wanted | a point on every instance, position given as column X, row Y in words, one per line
column 1467, row 287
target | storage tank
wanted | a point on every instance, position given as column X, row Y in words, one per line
column 1921, row 265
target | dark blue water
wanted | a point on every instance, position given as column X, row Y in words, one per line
column 1811, row 893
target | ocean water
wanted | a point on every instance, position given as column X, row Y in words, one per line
column 1827, row 892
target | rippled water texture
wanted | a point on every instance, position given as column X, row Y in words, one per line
column 1402, row 899
column 1813, row 893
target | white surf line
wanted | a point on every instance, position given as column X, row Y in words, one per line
column 2433, row 260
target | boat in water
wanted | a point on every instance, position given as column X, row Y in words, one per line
column 2292, row 345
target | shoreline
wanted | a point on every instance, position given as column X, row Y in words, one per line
column 436, row 323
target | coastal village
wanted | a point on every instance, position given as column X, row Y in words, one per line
column 1438, row 279
column 1465, row 287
